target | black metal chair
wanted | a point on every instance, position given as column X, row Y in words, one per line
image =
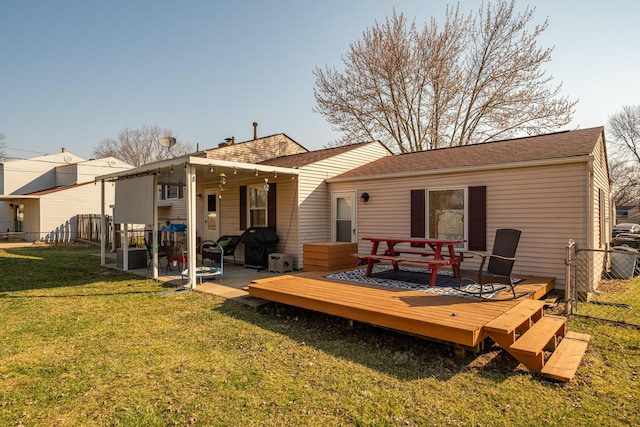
column 211, row 250
column 499, row 267
column 229, row 243
column 162, row 253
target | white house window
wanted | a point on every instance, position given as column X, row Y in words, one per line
column 258, row 198
column 171, row 192
column 446, row 211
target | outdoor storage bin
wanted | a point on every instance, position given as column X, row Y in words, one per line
column 624, row 262
column 259, row 242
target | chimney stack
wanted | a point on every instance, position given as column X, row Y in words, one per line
column 63, row 150
column 255, row 130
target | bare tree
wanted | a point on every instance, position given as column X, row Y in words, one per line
column 624, row 161
column 140, row 146
column 3, row 147
column 477, row 79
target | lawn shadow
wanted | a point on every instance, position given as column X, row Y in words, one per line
column 406, row 357
column 50, row 267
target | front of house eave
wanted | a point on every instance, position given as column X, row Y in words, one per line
column 465, row 169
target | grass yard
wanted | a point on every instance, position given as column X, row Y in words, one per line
column 85, row 345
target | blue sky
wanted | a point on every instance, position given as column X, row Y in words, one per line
column 75, row 72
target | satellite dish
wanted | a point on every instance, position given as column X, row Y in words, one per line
column 68, row 159
column 167, row 141
column 112, row 163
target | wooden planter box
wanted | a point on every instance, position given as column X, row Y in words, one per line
column 329, row 256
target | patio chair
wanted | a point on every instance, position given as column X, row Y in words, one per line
column 162, row 253
column 229, row 243
column 210, row 250
column 499, row 267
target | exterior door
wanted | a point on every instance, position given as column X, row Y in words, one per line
column 343, row 216
column 211, row 217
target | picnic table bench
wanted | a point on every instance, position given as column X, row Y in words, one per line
column 433, row 260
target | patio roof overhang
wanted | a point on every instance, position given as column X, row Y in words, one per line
column 207, row 171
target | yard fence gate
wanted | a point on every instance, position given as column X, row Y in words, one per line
column 90, row 228
column 600, row 284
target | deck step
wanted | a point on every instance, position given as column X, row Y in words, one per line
column 564, row 362
column 512, row 319
column 540, row 335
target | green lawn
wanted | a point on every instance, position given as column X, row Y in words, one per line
column 85, row 345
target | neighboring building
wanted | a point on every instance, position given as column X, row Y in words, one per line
column 40, row 197
column 553, row 187
column 627, row 214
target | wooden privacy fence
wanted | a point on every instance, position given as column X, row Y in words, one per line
column 90, row 227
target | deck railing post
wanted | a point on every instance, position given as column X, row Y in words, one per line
column 569, row 274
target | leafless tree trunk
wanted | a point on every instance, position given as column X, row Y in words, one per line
column 140, row 146
column 3, row 147
column 477, row 79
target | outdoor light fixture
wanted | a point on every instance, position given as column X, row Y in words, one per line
column 364, row 197
column 210, row 168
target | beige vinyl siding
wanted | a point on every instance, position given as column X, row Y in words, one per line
column 31, row 223
column 314, row 196
column 229, row 210
column 548, row 203
column 59, row 209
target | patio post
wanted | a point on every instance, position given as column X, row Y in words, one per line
column 103, row 227
column 191, row 224
column 154, row 230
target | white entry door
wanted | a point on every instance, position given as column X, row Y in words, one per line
column 343, row 216
column 211, row 217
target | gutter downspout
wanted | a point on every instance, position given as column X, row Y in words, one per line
column 590, row 200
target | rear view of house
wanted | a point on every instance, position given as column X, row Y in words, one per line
column 553, row 187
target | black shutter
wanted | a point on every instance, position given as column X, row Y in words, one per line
column 163, row 192
column 477, row 218
column 418, row 215
column 271, row 206
column 180, row 192
column 243, row 207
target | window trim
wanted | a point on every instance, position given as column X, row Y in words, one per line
column 167, row 195
column 465, row 225
column 250, row 209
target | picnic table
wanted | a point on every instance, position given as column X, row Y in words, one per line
column 434, row 253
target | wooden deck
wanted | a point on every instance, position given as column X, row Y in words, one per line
column 456, row 320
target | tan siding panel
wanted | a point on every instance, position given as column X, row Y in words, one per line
column 547, row 203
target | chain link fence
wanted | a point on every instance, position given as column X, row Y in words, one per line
column 604, row 284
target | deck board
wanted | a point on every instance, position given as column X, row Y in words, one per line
column 456, row 320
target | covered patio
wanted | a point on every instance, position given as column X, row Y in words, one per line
column 136, row 200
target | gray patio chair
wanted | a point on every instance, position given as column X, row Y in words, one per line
column 499, row 267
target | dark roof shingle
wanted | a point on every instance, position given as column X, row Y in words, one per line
column 543, row 147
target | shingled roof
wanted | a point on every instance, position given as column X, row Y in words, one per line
column 558, row 145
column 303, row 159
